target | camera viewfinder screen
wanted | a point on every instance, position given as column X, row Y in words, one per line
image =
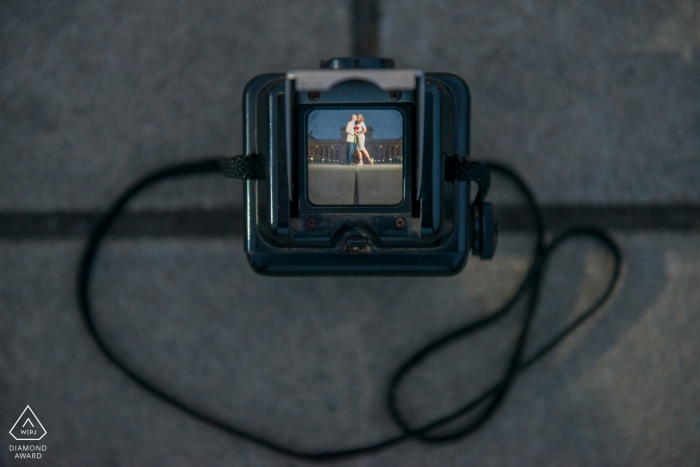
column 355, row 157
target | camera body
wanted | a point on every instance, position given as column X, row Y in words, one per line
column 314, row 209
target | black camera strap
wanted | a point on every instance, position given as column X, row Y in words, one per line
column 473, row 170
column 470, row 416
column 241, row 167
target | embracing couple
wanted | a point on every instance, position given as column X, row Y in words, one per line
column 355, row 136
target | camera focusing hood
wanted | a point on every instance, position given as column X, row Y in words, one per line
column 360, row 168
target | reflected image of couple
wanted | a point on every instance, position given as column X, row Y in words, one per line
column 355, row 130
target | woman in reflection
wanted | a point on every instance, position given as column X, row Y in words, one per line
column 360, row 131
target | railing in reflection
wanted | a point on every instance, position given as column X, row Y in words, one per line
column 324, row 154
column 386, row 154
column 332, row 154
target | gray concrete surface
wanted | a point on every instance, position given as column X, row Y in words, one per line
column 331, row 184
column 307, row 365
column 380, row 183
column 95, row 93
column 594, row 101
column 335, row 184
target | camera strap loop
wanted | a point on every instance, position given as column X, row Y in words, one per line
column 473, row 170
column 474, row 413
column 242, row 167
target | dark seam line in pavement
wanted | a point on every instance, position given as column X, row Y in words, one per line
column 365, row 28
column 147, row 223
column 230, row 221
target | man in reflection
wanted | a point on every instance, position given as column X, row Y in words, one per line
column 350, row 138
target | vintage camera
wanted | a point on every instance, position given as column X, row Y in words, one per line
column 355, row 172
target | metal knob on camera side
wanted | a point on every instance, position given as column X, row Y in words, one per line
column 485, row 230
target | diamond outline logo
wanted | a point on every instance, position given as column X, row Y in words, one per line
column 30, row 422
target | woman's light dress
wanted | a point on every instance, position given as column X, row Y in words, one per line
column 361, row 138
